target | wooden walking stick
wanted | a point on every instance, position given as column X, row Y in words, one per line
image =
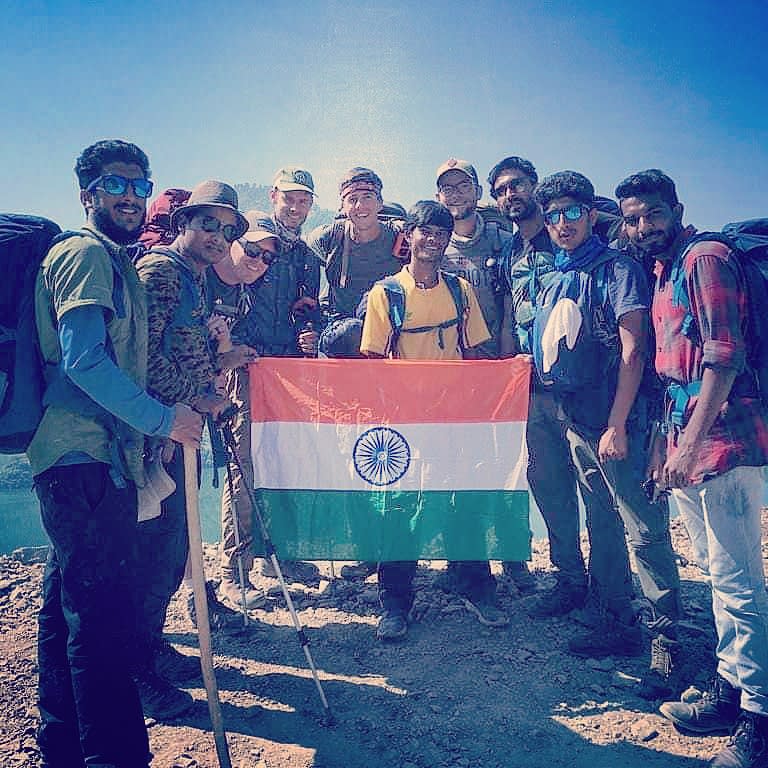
column 201, row 604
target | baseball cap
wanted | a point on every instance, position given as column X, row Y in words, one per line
column 294, row 179
column 453, row 164
column 261, row 226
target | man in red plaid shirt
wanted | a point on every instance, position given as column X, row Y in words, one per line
column 716, row 452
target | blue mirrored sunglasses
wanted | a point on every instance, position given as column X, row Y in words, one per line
column 571, row 213
column 113, row 184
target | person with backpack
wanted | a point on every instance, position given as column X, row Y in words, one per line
column 526, row 270
column 476, row 252
column 183, row 367
column 589, row 340
column 422, row 313
column 87, row 461
column 716, row 448
column 358, row 249
column 284, row 318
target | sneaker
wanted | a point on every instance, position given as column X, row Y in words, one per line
column 392, row 626
column 520, row 576
column 254, row 597
column 359, row 571
column 716, row 711
column 220, row 616
column 747, row 747
column 608, row 638
column 161, row 700
column 487, row 612
column 294, row 571
column 558, row 601
column 173, row 665
column 658, row 682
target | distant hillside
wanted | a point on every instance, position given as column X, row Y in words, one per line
column 15, row 473
column 257, row 196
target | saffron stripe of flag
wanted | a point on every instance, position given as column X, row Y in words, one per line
column 391, row 459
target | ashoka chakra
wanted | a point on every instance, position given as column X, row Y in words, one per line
column 381, row 456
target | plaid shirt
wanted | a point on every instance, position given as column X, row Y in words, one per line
column 718, row 306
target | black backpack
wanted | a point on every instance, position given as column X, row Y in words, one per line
column 24, row 241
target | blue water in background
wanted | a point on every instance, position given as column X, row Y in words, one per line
column 20, row 524
column 20, row 517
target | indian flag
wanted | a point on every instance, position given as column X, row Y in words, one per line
column 392, row 459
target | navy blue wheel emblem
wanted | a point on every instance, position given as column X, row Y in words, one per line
column 381, row 456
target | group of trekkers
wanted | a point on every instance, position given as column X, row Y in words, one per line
column 155, row 315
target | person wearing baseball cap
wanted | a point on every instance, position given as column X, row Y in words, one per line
column 229, row 284
column 280, row 320
column 476, row 251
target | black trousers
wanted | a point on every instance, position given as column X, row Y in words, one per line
column 89, row 708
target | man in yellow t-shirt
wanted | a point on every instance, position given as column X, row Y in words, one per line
column 433, row 328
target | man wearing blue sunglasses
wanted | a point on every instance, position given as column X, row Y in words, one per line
column 87, row 461
column 590, row 334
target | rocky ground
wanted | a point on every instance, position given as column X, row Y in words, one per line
column 453, row 694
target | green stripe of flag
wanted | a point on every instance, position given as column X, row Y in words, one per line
column 398, row 525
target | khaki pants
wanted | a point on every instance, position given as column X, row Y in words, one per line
column 238, row 500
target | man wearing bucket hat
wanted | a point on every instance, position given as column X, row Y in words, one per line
column 229, row 283
column 182, row 368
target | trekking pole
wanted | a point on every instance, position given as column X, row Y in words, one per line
column 269, row 551
column 238, row 546
column 201, row 604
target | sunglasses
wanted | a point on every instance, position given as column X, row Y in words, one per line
column 515, row 185
column 253, row 251
column 571, row 213
column 113, row 184
column 211, row 224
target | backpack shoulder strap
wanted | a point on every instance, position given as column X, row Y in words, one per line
column 462, row 304
column 395, row 294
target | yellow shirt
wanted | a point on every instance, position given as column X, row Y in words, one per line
column 423, row 307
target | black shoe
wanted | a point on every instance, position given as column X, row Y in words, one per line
column 747, row 747
column 161, row 700
column 173, row 665
column 393, row 625
column 220, row 616
column 561, row 599
column 609, row 638
column 715, row 712
column 659, row 682
column 517, row 572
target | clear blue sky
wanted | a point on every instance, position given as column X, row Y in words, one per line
column 233, row 90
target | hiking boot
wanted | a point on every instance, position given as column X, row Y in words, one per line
column 254, row 597
column 220, row 616
column 393, row 625
column 609, row 638
column 747, row 746
column 446, row 581
column 173, row 665
column 561, row 599
column 359, row 571
column 520, row 576
column 159, row 699
column 715, row 712
column 487, row 612
column 294, row 571
column 658, row 681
